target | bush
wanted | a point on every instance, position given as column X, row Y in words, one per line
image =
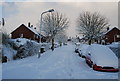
column 5, row 38
column 14, row 57
column 28, row 49
column 13, row 45
column 4, row 59
column 21, row 52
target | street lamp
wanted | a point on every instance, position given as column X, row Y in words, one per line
column 51, row 10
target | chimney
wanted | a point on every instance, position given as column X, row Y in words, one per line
column 28, row 24
column 31, row 26
column 108, row 28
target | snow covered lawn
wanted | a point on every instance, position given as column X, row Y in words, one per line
column 62, row 63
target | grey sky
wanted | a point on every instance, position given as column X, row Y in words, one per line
column 16, row 13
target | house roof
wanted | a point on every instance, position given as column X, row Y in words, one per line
column 33, row 30
column 30, row 28
column 110, row 30
column 104, row 33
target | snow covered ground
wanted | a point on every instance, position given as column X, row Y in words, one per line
column 62, row 63
column 9, row 52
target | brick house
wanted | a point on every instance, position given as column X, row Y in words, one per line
column 112, row 35
column 27, row 32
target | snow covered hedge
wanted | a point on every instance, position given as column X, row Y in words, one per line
column 25, row 48
column 20, row 48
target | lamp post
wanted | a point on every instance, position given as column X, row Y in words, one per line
column 51, row 10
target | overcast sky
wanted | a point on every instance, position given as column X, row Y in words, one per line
column 17, row 13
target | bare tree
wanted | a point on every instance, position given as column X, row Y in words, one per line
column 91, row 25
column 54, row 23
column 61, row 38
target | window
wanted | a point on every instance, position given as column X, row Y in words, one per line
column 118, row 36
column 34, row 36
column 21, row 35
column 37, row 36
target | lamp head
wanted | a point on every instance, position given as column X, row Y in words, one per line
column 51, row 10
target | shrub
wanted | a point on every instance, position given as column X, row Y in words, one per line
column 13, row 45
column 4, row 59
column 5, row 38
column 14, row 57
column 28, row 49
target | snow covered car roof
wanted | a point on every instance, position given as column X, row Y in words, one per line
column 102, row 56
column 83, row 48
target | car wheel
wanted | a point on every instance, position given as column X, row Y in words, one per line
column 92, row 65
column 83, row 56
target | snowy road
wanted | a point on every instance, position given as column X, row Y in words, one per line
column 62, row 63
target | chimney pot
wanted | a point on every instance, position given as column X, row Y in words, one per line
column 28, row 24
column 31, row 25
column 108, row 28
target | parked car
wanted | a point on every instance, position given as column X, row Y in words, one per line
column 78, row 51
column 101, row 58
column 81, row 49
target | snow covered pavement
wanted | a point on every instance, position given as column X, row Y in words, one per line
column 62, row 63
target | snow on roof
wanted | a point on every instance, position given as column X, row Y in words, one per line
column 103, row 56
column 33, row 30
column 30, row 28
column 105, row 32
column 110, row 30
